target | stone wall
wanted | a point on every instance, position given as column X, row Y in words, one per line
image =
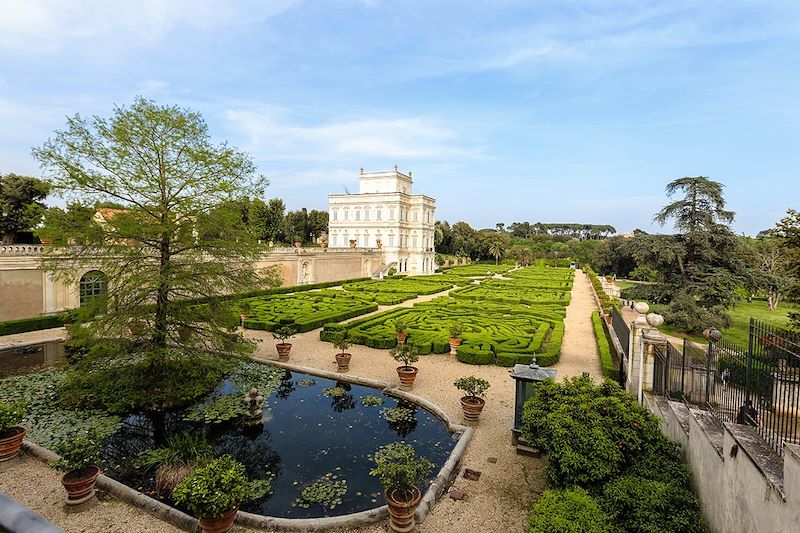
column 26, row 290
column 744, row 485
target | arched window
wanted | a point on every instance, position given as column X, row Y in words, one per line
column 92, row 285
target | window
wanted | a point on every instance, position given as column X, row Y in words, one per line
column 366, row 213
column 378, row 214
column 335, row 241
column 346, row 214
column 92, row 285
column 358, row 214
column 391, row 213
column 414, row 241
column 391, row 240
column 335, row 214
column 416, row 214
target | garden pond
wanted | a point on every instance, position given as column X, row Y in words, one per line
column 316, row 437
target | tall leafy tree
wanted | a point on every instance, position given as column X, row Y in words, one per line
column 787, row 230
column 317, row 223
column 21, row 206
column 179, row 235
column 699, row 267
column 274, row 219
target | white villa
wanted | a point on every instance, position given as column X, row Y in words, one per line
column 386, row 215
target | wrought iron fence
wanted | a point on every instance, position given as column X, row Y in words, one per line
column 758, row 385
column 623, row 332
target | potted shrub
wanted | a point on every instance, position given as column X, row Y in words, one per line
column 455, row 337
column 406, row 354
column 353, row 243
column 341, row 342
column 79, row 455
column 298, row 242
column 400, row 470
column 244, row 310
column 474, row 389
column 400, row 327
column 11, row 434
column 283, row 334
column 214, row 491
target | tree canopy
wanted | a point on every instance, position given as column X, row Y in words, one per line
column 21, row 207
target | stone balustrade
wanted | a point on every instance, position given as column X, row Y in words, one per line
column 21, row 249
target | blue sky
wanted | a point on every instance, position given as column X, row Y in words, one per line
column 563, row 111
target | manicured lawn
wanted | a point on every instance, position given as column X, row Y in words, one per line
column 739, row 331
column 624, row 284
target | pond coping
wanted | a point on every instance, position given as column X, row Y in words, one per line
column 177, row 518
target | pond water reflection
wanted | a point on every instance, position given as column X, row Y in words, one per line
column 308, row 430
column 20, row 360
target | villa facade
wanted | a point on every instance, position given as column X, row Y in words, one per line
column 386, row 215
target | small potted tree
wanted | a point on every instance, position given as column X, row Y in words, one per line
column 213, row 493
column 79, row 454
column 298, row 241
column 474, row 389
column 244, row 310
column 455, row 337
column 11, row 434
column 400, row 331
column 400, row 470
column 283, row 334
column 341, row 342
column 407, row 355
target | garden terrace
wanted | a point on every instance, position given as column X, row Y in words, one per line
column 304, row 311
column 503, row 334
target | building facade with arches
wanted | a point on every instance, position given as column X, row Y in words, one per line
column 386, row 215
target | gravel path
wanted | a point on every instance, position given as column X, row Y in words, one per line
column 498, row 502
column 579, row 349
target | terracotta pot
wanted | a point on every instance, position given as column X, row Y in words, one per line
column 401, row 510
column 220, row 524
column 343, row 361
column 472, row 407
column 401, row 337
column 10, row 441
column 298, row 244
column 454, row 342
column 323, row 245
column 79, row 484
column 407, row 374
column 283, row 349
column 244, row 316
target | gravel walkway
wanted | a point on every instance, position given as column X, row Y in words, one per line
column 498, row 502
column 579, row 349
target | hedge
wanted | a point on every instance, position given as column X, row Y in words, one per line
column 23, row 325
column 304, row 311
column 610, row 370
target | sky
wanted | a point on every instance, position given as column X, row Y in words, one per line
column 563, row 111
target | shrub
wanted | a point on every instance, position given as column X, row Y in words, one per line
column 217, row 487
column 399, row 468
column 182, row 454
column 405, row 354
column 648, row 506
column 455, row 330
column 472, row 386
column 78, row 451
column 11, row 414
column 568, row 511
column 9, row 327
column 610, row 370
column 686, row 314
column 283, row 334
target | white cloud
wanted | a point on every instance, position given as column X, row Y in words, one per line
column 46, row 25
column 270, row 134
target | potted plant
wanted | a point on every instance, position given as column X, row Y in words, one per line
column 298, row 242
column 283, row 334
column 244, row 310
column 11, row 434
column 353, row 243
column 455, row 337
column 323, row 241
column 341, row 342
column 400, row 327
column 474, row 389
column 214, row 491
column 79, row 454
column 406, row 354
column 400, row 470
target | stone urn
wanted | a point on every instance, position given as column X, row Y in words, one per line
column 454, row 342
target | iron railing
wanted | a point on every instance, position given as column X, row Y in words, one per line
column 758, row 385
column 623, row 332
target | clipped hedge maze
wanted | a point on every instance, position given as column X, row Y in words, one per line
column 513, row 292
column 390, row 291
column 477, row 270
column 493, row 333
column 304, row 311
